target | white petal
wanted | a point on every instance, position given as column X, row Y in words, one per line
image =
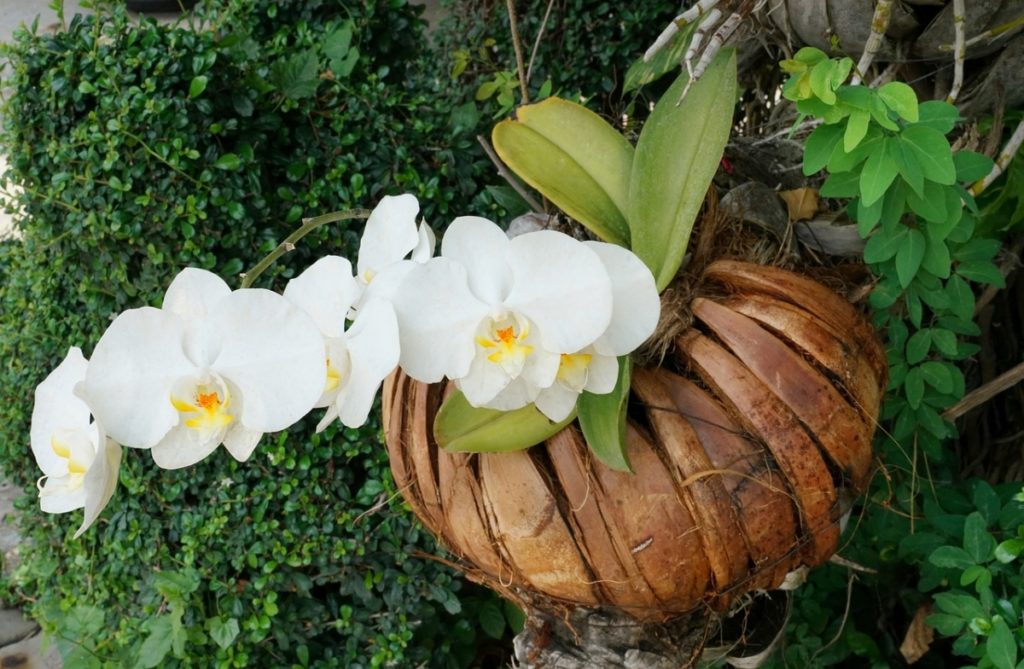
column 329, row 417
column 325, row 291
column 482, row 248
column 58, row 408
column 184, row 447
column 387, row 282
column 636, row 305
column 373, row 348
column 59, row 495
column 194, row 292
column 556, row 402
column 389, row 235
column 562, row 287
column 273, row 353
column 128, row 382
column 425, row 246
column 241, row 442
column 100, row 482
column 483, row 382
column 602, row 374
column 437, row 321
column 541, row 367
column 516, row 395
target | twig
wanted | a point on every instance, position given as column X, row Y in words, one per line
column 308, row 225
column 681, row 21
column 1005, row 156
column 958, row 50
column 992, row 34
column 507, row 176
column 979, row 396
column 879, row 24
column 517, row 45
column 536, row 42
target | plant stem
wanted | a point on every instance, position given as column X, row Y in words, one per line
column 536, row 42
column 879, row 24
column 958, row 51
column 308, row 225
column 1005, row 156
column 517, row 44
column 507, row 176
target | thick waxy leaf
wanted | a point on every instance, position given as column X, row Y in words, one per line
column 575, row 158
column 603, row 421
column 676, row 156
column 461, row 427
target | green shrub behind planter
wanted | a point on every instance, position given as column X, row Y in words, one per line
column 142, row 149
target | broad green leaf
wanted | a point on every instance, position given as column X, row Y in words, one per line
column 938, row 115
column 575, row 158
column 666, row 60
column 981, row 271
column 491, row 619
column 157, row 645
column 950, row 557
column 882, row 116
column 893, row 205
column 844, row 161
column 223, row 632
column 198, row 85
column 844, row 184
column 884, row 295
column 878, row 173
column 961, row 297
column 913, row 388
column 978, row 249
column 945, row 341
column 909, row 256
column 821, row 82
column 677, row 155
column 336, row 46
column 174, row 584
column 856, row 128
column 1009, row 550
column 936, row 257
column 932, row 422
column 907, row 165
column 932, row 151
column 228, row 161
column 462, row 427
column 884, row 245
column 931, row 207
column 1001, row 647
column 954, row 220
column 819, row 147
column 937, row 375
column 868, row 216
column 900, row 98
column 946, row 624
column 971, row 166
column 918, row 346
column 603, row 421
column 977, row 540
column 296, row 76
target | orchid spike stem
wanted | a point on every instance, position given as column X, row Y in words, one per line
column 308, row 226
column 958, row 50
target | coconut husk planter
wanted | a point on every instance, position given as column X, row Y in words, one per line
column 747, row 442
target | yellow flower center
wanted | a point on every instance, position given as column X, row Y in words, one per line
column 76, row 469
column 505, row 345
column 205, row 410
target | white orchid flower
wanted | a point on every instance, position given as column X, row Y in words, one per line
column 636, row 308
column 79, row 462
column 391, row 245
column 358, row 359
column 496, row 314
column 212, row 366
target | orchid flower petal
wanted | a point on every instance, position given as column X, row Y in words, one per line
column 556, row 402
column 482, row 248
column 390, row 234
column 483, row 381
column 517, row 394
column 134, row 366
column 437, row 319
column 194, row 293
column 60, row 494
column 57, row 408
column 273, row 353
column 325, row 291
column 636, row 305
column 425, row 246
column 602, row 374
column 373, row 347
column 184, row 447
column 100, row 482
column 562, row 287
column 241, row 442
column 387, row 282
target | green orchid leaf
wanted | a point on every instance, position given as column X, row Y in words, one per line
column 461, row 427
column 676, row 157
column 603, row 421
column 575, row 159
column 643, row 72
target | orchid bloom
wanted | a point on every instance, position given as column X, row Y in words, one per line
column 635, row 311
column 496, row 314
column 211, row 366
column 79, row 462
column 389, row 237
column 358, row 359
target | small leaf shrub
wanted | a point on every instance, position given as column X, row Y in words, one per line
column 140, row 149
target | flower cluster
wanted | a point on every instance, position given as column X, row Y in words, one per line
column 538, row 318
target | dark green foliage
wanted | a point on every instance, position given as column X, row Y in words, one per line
column 142, row 149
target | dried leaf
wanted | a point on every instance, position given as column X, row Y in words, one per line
column 801, row 202
column 919, row 636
